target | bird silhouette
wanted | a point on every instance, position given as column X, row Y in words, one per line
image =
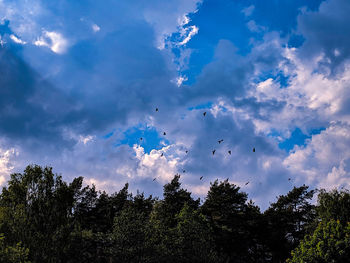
column 162, row 155
column 213, row 152
column 253, row 150
column 220, row 141
column 156, row 109
column 200, row 178
column 229, row 152
column 186, row 151
column 289, row 179
column 204, row 113
column 183, row 171
column 154, row 179
column 141, row 139
column 247, row 183
column 164, row 133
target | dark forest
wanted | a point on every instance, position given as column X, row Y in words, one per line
column 45, row 219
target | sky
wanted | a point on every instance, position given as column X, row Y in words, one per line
column 80, row 82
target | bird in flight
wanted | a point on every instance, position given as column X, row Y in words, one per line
column 141, row 139
column 154, row 179
column 164, row 133
column 156, row 109
column 162, row 155
column 213, row 152
column 253, row 150
column 289, row 179
column 200, row 178
column 204, row 113
column 184, row 171
column 247, row 183
column 186, row 151
column 229, row 152
column 220, row 141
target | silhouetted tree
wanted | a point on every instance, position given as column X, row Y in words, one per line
column 287, row 221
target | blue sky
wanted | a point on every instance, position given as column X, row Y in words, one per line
column 80, row 83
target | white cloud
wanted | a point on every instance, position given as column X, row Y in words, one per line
column 6, row 165
column 179, row 80
column 95, row 28
column 86, row 139
column 53, row 40
column 322, row 162
column 168, row 17
column 155, row 165
column 188, row 33
column 17, row 40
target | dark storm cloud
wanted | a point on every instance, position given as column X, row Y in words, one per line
column 30, row 108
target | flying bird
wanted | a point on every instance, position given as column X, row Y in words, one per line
column 213, row 152
column 184, row 171
column 141, row 139
column 162, row 155
column 156, row 109
column 204, row 113
column 229, row 152
column 289, row 179
column 164, row 133
column 247, row 183
column 220, row 141
column 154, row 179
column 186, row 151
column 253, row 150
column 200, row 178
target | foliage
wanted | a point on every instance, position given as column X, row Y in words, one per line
column 329, row 243
column 12, row 254
column 44, row 219
column 287, row 222
column 334, row 205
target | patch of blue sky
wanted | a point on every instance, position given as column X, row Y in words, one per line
column 206, row 105
column 298, row 138
column 222, row 19
column 295, row 40
column 151, row 138
column 216, row 20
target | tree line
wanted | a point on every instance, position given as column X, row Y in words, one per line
column 45, row 219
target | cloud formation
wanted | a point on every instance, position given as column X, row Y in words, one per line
column 80, row 85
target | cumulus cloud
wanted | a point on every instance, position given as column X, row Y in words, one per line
column 324, row 161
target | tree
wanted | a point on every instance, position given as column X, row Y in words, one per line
column 13, row 254
column 130, row 231
column 175, row 198
column 193, row 242
column 334, row 205
column 225, row 208
column 39, row 212
column 329, row 243
column 287, row 221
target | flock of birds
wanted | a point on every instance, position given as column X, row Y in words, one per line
column 213, row 151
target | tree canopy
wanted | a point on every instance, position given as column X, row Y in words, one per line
column 45, row 219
